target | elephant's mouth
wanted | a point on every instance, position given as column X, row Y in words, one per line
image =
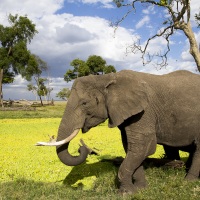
column 85, row 129
column 92, row 122
column 87, row 125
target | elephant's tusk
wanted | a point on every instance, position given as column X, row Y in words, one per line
column 66, row 140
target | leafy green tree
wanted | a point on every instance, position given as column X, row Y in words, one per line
column 96, row 64
column 93, row 65
column 15, row 58
column 109, row 69
column 33, row 89
column 42, row 90
column 8, row 77
column 69, row 75
column 35, row 71
column 80, row 69
column 39, row 89
column 76, row 63
column 83, row 70
column 64, row 94
column 177, row 18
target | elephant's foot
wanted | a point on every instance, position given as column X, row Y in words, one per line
column 191, row 177
column 140, row 185
column 131, row 188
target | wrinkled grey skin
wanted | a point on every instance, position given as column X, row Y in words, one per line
column 148, row 110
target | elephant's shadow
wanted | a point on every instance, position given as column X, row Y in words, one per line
column 104, row 166
column 97, row 169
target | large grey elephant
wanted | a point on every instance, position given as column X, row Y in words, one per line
column 148, row 109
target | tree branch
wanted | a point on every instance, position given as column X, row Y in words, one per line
column 116, row 24
column 166, row 33
column 177, row 9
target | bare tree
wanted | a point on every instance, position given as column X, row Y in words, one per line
column 197, row 18
column 178, row 19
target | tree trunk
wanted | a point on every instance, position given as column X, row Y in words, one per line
column 1, row 91
column 194, row 50
column 41, row 100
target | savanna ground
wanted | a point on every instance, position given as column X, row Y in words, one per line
column 30, row 172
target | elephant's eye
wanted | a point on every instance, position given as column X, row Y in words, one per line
column 84, row 103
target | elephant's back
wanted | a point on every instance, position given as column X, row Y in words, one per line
column 183, row 79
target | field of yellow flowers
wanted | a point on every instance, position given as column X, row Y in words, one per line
column 18, row 151
column 31, row 172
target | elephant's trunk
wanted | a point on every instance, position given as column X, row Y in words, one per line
column 62, row 150
column 68, row 129
column 65, row 135
column 66, row 158
column 70, row 160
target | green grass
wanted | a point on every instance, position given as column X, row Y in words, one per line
column 40, row 112
column 30, row 172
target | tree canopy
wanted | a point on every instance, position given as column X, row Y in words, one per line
column 64, row 94
column 178, row 18
column 38, row 88
column 15, row 58
column 93, row 65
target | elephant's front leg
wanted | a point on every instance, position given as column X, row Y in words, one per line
column 139, row 147
column 130, row 169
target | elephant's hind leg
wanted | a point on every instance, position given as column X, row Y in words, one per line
column 194, row 170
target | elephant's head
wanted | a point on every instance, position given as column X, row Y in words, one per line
column 93, row 99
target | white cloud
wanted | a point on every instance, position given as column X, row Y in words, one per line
column 144, row 21
column 105, row 3
column 34, row 9
column 18, row 88
column 195, row 6
column 64, row 37
column 70, row 33
column 149, row 10
column 186, row 56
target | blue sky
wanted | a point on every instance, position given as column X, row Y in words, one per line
column 70, row 29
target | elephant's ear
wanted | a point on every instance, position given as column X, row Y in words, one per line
column 125, row 97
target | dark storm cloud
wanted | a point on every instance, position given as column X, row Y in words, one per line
column 72, row 34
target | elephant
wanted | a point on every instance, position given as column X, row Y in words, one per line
column 172, row 153
column 148, row 110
